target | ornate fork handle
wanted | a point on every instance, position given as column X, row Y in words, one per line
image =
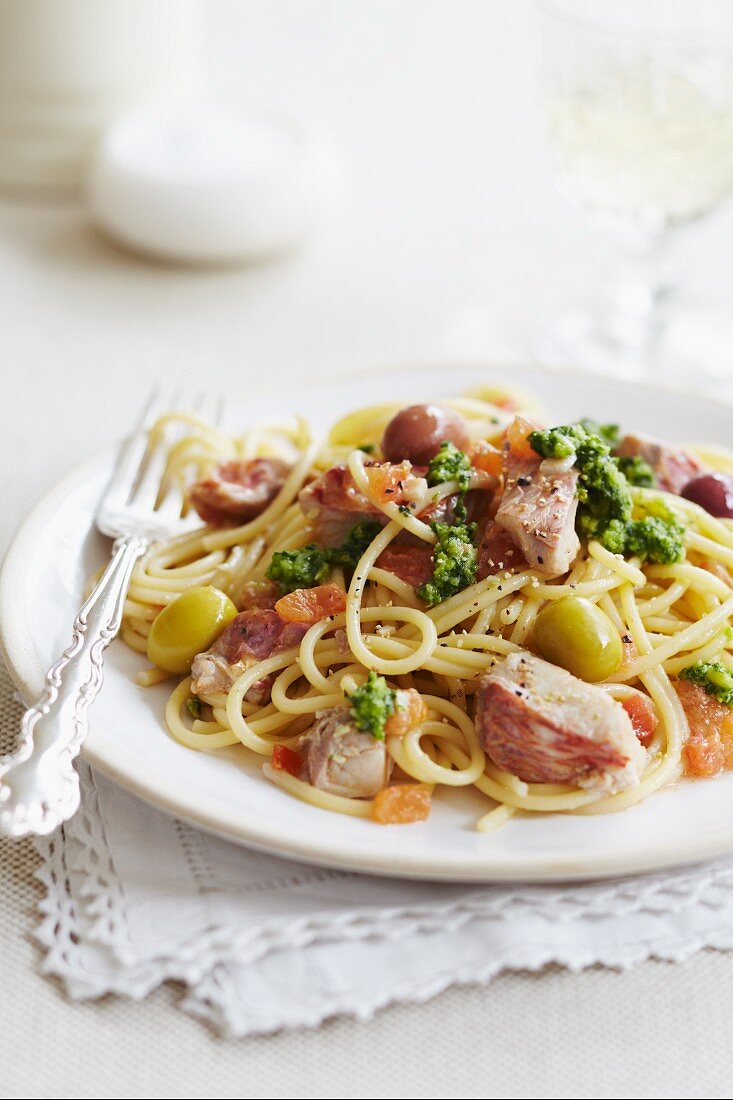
column 39, row 787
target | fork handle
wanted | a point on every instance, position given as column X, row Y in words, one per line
column 39, row 787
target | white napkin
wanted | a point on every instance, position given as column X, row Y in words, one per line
column 135, row 898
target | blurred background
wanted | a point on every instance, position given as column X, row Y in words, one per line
column 438, row 231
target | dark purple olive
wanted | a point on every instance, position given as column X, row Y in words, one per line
column 416, row 433
column 713, row 492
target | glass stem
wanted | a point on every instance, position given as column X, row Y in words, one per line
column 639, row 297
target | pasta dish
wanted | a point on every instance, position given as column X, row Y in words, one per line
column 451, row 594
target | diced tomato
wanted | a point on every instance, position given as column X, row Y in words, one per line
column 386, row 481
column 412, row 564
column 310, row 605
column 402, row 804
column 703, row 758
column 517, row 437
column 640, row 710
column 486, row 457
column 411, row 711
column 287, row 760
column 709, row 749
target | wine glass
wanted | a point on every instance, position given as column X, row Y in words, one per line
column 638, row 96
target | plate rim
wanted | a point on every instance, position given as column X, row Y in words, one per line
column 28, row 673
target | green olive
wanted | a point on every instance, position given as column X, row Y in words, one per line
column 578, row 636
column 187, row 626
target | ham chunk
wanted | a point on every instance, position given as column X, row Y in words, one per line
column 673, row 466
column 239, row 489
column 496, row 551
column 251, row 637
column 412, row 564
column 537, row 509
column 334, row 495
column 342, row 759
column 477, row 503
column 544, row 725
column 335, row 503
column 259, row 595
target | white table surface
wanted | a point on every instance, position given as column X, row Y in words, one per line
column 453, row 243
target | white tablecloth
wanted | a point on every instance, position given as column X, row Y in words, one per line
column 455, row 243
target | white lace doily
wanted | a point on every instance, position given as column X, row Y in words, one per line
column 135, row 898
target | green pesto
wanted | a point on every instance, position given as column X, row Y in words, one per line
column 655, row 538
column 450, row 464
column 311, row 564
column 609, row 433
column 557, row 442
column 301, row 568
column 356, row 542
column 714, row 677
column 658, row 535
column 604, row 499
column 454, row 562
column 372, row 704
column 636, row 470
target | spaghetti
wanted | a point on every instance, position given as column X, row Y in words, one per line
column 670, row 615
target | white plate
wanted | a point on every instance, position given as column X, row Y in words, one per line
column 57, row 549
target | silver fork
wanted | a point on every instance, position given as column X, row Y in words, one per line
column 39, row 786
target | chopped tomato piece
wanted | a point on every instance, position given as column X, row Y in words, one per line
column 485, row 456
column 517, row 437
column 287, row 760
column 310, row 605
column 640, row 710
column 386, row 481
column 709, row 749
column 703, row 758
column 402, row 804
column 412, row 564
column 411, row 711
